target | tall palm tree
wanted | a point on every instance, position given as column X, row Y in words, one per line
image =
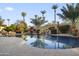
column 8, row 21
column 43, row 12
column 54, row 7
column 70, row 12
column 23, row 15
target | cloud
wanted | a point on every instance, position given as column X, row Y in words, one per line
column 9, row 8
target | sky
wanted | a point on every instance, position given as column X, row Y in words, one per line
column 13, row 11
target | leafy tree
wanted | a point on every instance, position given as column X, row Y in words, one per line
column 13, row 27
column 21, row 26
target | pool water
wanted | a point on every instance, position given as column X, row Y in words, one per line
column 52, row 42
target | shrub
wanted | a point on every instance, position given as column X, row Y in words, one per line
column 64, row 28
column 21, row 27
column 7, row 29
column 12, row 27
column 74, row 32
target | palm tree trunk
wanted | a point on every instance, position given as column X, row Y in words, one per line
column 73, row 24
column 43, row 16
column 55, row 16
column 8, row 23
column 73, row 28
column 23, row 18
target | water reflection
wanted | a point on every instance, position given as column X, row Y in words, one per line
column 31, row 35
column 38, row 42
column 41, row 42
column 50, row 42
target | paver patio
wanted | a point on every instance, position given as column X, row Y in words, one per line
column 13, row 46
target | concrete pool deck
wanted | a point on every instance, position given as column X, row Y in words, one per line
column 13, row 46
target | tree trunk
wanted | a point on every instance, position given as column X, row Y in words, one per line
column 24, row 19
column 55, row 16
column 8, row 23
column 73, row 28
column 73, row 25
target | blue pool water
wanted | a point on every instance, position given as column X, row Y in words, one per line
column 52, row 42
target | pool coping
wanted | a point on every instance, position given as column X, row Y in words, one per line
column 65, row 35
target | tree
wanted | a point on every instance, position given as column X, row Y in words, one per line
column 54, row 7
column 43, row 12
column 8, row 21
column 23, row 15
column 37, row 21
column 70, row 12
column 13, row 27
column 1, row 21
column 21, row 26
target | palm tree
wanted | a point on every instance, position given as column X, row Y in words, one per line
column 43, row 12
column 54, row 7
column 37, row 21
column 8, row 21
column 23, row 15
column 70, row 12
column 36, row 16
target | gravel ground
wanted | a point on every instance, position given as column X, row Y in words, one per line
column 13, row 46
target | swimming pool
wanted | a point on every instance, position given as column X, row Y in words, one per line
column 52, row 42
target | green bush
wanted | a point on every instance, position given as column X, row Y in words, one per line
column 7, row 29
column 64, row 28
column 12, row 27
